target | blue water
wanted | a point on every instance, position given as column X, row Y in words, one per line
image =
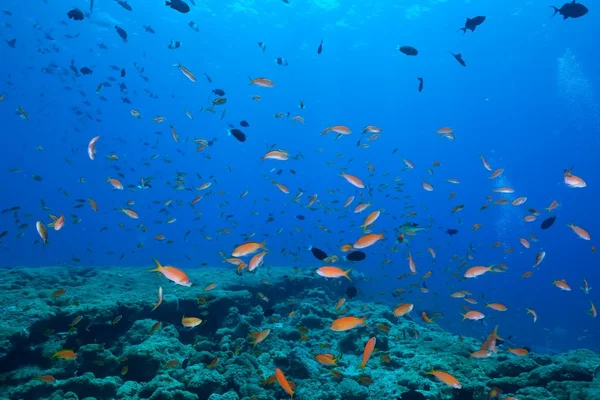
column 527, row 100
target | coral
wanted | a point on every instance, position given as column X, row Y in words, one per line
column 118, row 357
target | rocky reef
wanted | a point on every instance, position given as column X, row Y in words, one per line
column 126, row 350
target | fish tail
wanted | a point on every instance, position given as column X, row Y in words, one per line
column 555, row 11
column 158, row 266
column 462, row 29
column 346, row 274
column 464, row 317
column 251, row 80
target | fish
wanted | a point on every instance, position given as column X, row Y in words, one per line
column 420, row 84
column 75, row 14
column 178, row 5
column 459, row 58
column 548, row 222
column 173, row 274
column 318, row 253
column 122, row 33
column 408, row 50
column 320, row 48
column 570, row 10
column 472, row 23
column 355, row 256
column 451, row 232
column 236, row 133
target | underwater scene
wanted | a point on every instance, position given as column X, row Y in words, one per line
column 307, row 199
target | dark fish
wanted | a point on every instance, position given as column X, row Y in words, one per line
column 281, row 61
column 148, row 29
column 459, row 59
column 185, row 363
column 318, row 253
column 175, row 44
column 548, row 222
column 351, row 291
column 451, row 232
column 86, row 71
column 279, row 173
column 123, row 73
column 208, row 78
column 320, row 49
column 75, row 14
column 420, row 84
column 194, row 26
column 571, row 10
column 472, row 23
column 244, row 124
column 178, row 5
column 356, row 256
column 262, row 46
column 124, row 4
column 269, row 312
column 286, row 1
column 219, row 92
column 12, row 42
column 121, row 33
column 236, row 133
column 408, row 50
column 300, row 217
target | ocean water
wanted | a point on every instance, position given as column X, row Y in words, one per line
column 527, row 100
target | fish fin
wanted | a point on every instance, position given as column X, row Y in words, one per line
column 463, row 29
column 346, row 274
column 555, row 11
column 158, row 266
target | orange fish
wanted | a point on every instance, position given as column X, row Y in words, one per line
column 247, row 249
column 334, row 272
column 284, row 382
column 173, row 274
column 582, row 233
column 115, row 183
column 445, row 378
column 426, row 319
column 65, row 355
column 353, row 180
column 368, row 240
column 190, row 322
column 496, row 173
column 473, row 316
column 256, row 261
column 367, row 352
column 262, row 82
column 411, row 264
column 496, row 306
column 474, row 272
column 260, row 336
column 347, row 323
column 403, row 309
column 573, row 181
column 519, row 352
column 562, row 284
column 481, row 354
column 46, row 378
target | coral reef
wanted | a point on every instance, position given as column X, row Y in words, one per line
column 125, row 350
